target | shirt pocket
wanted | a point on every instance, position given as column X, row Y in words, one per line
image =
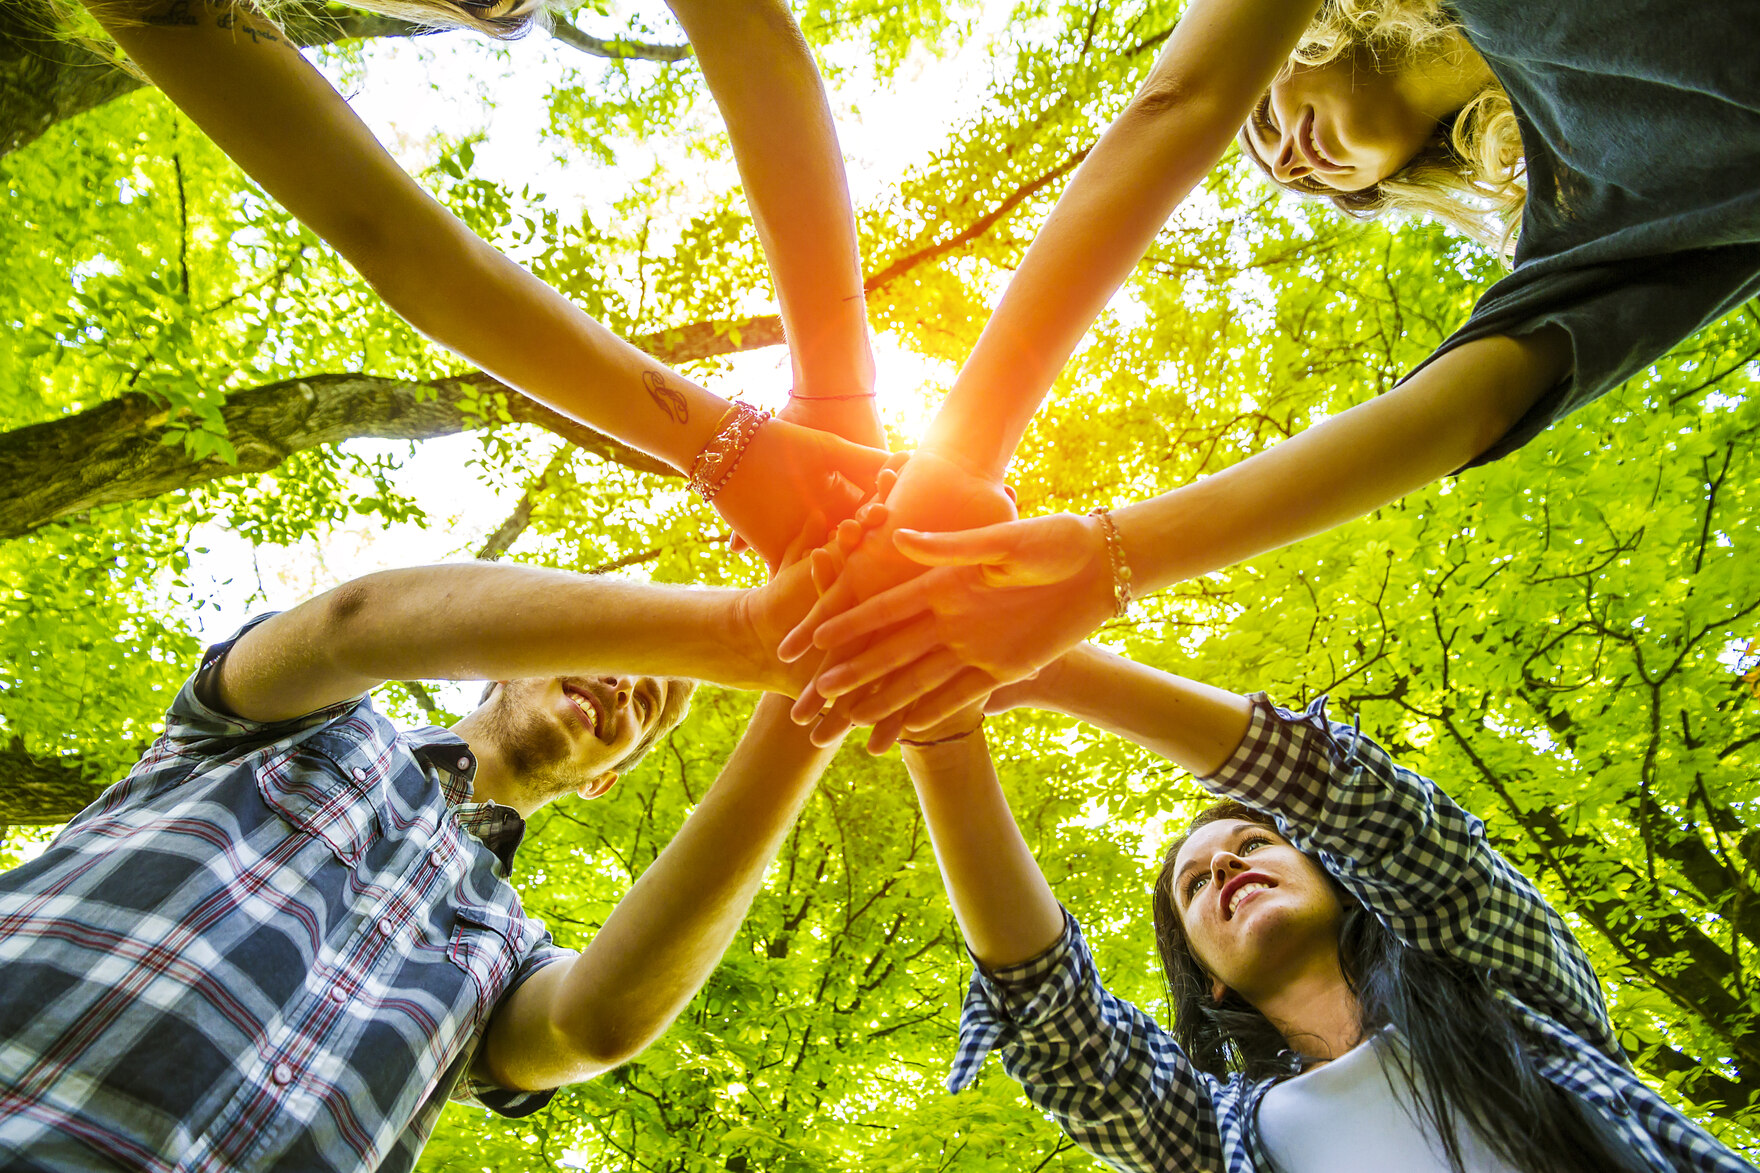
column 322, row 798
column 489, row 943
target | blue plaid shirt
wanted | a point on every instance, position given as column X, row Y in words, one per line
column 1122, row 1088
column 271, row 946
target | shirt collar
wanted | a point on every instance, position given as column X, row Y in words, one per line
column 449, row 758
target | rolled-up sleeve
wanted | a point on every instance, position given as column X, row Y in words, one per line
column 1112, row 1079
column 473, row 1086
column 1412, row 856
column 197, row 725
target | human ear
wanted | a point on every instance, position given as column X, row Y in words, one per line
column 595, row 787
column 1218, row 991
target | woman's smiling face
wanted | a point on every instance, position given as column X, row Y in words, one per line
column 1252, row 906
column 1342, row 126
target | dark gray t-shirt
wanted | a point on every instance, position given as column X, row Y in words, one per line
column 1641, row 127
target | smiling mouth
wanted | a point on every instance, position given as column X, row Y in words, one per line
column 586, row 707
column 1309, row 141
column 1239, row 891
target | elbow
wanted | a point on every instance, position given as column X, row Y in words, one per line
column 399, row 250
column 347, row 606
column 1161, row 97
column 598, row 1039
column 350, row 614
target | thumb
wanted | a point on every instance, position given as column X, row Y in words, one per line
column 840, row 497
column 860, row 463
column 964, row 547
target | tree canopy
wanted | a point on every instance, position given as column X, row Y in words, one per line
column 1567, row 639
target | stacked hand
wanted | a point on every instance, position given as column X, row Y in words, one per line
column 788, row 473
column 931, row 491
column 770, row 612
column 915, row 606
column 997, row 604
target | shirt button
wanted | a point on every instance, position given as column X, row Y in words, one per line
column 385, row 925
column 338, row 994
column 464, row 763
column 283, row 1073
column 360, row 775
column 437, row 857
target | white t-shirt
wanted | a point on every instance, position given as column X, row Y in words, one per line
column 1356, row 1115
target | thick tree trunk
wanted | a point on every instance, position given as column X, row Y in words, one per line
column 113, row 452
column 42, row 791
column 45, row 78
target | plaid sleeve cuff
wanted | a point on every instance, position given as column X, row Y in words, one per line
column 1285, row 764
column 477, row 1090
column 1003, row 1000
column 196, row 716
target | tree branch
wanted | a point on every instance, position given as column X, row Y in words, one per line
column 508, row 532
column 617, row 50
column 978, row 227
column 113, row 453
column 41, row 790
column 1698, row 1082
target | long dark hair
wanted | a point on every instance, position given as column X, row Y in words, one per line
column 1473, row 1062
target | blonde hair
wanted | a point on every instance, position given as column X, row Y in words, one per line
column 1471, row 175
column 503, row 19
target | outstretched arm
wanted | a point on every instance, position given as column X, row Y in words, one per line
column 1221, row 56
column 576, row 1019
column 278, row 118
column 264, row 104
column 1005, row 908
column 1007, row 599
column 485, row 621
column 1195, row 726
column 769, row 91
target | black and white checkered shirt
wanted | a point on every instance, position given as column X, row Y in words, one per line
column 1123, row 1089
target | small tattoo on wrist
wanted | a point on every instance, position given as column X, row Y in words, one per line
column 175, row 15
column 184, row 14
column 672, row 402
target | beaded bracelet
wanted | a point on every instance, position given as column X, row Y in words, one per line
column 1121, row 573
column 721, row 455
column 943, row 740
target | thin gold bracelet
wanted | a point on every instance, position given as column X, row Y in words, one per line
column 943, row 740
column 1121, row 571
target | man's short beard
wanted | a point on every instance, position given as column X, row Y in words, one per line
column 537, row 753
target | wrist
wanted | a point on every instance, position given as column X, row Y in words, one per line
column 750, row 665
column 1094, row 585
column 1116, row 564
column 1059, row 681
column 946, row 747
column 721, row 456
column 962, row 725
column 952, row 453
